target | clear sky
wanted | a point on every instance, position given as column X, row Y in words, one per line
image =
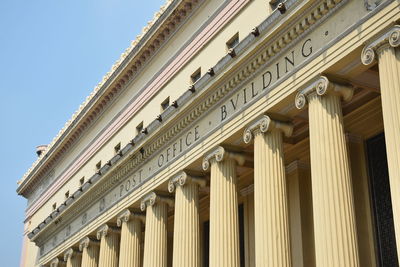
column 52, row 54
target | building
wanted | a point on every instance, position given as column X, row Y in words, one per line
column 232, row 133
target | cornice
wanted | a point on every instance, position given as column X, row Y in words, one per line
column 144, row 146
column 153, row 35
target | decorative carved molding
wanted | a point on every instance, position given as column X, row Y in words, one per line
column 321, row 87
column 86, row 242
column 219, row 154
column 265, row 124
column 182, row 178
column 127, row 215
column 390, row 37
column 106, row 229
column 69, row 253
column 151, row 199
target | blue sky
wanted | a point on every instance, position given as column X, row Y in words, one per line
column 52, row 54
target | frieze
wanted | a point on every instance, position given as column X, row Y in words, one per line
column 277, row 61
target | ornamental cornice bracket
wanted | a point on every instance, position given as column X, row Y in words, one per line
column 128, row 215
column 106, row 229
column 219, row 154
column 390, row 37
column 86, row 242
column 322, row 86
column 152, row 198
column 69, row 253
column 265, row 124
column 183, row 178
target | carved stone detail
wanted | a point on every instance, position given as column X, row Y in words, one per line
column 264, row 124
column 390, row 37
column 56, row 262
column 219, row 154
column 127, row 215
column 69, row 253
column 182, row 178
column 86, row 242
column 151, row 199
column 321, row 87
column 105, row 229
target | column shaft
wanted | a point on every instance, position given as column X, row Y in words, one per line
column 90, row 256
column 389, row 75
column 73, row 258
column 334, row 219
column 131, row 235
column 186, row 226
column 224, row 221
column 270, row 201
column 109, row 247
column 155, row 244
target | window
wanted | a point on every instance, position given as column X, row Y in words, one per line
column 233, row 41
column 98, row 165
column 139, row 128
column 54, row 206
column 117, row 148
column 82, row 181
column 165, row 104
column 196, row 75
column 66, row 194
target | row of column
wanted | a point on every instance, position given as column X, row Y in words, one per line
column 332, row 197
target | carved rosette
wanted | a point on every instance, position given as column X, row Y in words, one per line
column 104, row 230
column 390, row 37
column 265, row 124
column 127, row 215
column 183, row 178
column 219, row 154
column 321, row 87
column 151, row 199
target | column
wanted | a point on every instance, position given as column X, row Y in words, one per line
column 333, row 207
column 186, row 249
column 90, row 252
column 224, row 220
column 56, row 262
column 109, row 245
column 131, row 236
column 73, row 258
column 155, row 238
column 271, row 222
column 386, row 46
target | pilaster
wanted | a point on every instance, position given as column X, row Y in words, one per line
column 270, row 198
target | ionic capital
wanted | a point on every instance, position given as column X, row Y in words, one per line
column 321, row 87
column 182, row 178
column 127, row 215
column 86, row 242
column 151, row 199
column 219, row 154
column 56, row 262
column 106, row 229
column 389, row 37
column 265, row 124
column 69, row 253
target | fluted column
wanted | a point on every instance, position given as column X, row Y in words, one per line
column 186, row 250
column 56, row 262
column 131, row 236
column 109, row 245
column 224, row 221
column 155, row 238
column 334, row 217
column 73, row 258
column 270, row 199
column 90, row 252
column 386, row 46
